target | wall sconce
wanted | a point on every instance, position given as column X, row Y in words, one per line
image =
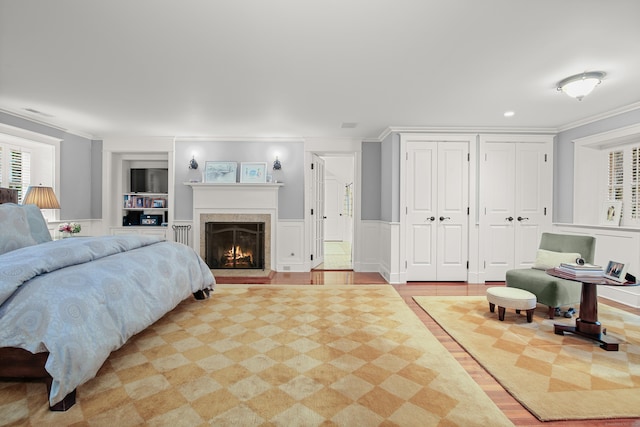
column 192, row 163
column 277, row 165
column 580, row 85
column 42, row 197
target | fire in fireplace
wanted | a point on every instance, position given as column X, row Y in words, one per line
column 234, row 245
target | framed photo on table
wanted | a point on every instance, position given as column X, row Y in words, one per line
column 616, row 270
column 253, row 172
column 220, row 172
column 610, row 212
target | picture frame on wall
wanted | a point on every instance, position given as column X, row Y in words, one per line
column 253, row 172
column 220, row 172
column 610, row 213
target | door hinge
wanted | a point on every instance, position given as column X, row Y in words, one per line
column 311, row 166
column 467, row 210
column 467, row 265
column 545, row 211
column 405, row 264
column 311, row 211
column 311, row 257
column 406, row 156
column 468, row 157
column 406, row 210
column 545, row 158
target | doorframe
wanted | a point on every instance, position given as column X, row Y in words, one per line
column 351, row 157
column 473, row 227
column 335, row 147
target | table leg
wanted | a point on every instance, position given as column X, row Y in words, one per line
column 587, row 325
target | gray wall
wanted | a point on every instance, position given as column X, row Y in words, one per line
column 563, row 166
column 370, row 201
column 290, row 154
column 80, row 187
column 390, row 179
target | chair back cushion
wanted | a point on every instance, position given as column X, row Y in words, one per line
column 584, row 245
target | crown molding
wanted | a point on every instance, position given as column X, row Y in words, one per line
column 48, row 124
column 465, row 129
column 598, row 117
column 179, row 139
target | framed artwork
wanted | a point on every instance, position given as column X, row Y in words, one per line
column 610, row 212
column 220, row 172
column 616, row 270
column 253, row 172
column 158, row 203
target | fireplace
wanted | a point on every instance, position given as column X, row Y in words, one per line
column 237, row 203
column 235, row 245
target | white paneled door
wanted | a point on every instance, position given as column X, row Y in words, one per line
column 317, row 210
column 436, row 194
column 515, row 195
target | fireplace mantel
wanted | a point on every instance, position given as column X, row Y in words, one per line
column 235, row 199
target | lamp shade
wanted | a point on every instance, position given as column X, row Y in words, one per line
column 42, row 197
column 581, row 85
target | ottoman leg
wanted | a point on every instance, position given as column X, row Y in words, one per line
column 501, row 313
column 530, row 315
column 492, row 307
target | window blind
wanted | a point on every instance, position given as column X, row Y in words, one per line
column 15, row 169
column 635, row 184
column 616, row 176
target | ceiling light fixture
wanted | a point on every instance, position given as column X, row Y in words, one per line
column 509, row 113
column 580, row 85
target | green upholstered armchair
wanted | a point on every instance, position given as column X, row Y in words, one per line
column 549, row 290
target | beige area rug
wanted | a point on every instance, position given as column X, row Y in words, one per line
column 255, row 355
column 556, row 377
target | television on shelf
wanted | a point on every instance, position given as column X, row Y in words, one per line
column 149, row 180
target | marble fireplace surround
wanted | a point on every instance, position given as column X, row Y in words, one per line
column 265, row 218
column 237, row 202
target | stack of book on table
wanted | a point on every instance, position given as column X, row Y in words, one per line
column 575, row 271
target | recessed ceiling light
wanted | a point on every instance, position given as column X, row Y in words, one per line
column 509, row 113
column 348, row 125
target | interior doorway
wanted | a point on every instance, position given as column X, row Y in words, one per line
column 337, row 213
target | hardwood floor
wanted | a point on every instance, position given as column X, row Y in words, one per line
column 511, row 407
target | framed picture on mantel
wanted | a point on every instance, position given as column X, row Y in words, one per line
column 216, row 172
column 253, row 172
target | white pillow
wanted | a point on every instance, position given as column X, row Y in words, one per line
column 548, row 259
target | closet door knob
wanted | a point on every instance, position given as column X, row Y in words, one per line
column 442, row 218
column 433, row 218
column 509, row 218
column 521, row 218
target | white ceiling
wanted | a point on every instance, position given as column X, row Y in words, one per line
column 302, row 68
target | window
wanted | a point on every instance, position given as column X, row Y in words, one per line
column 15, row 168
column 624, row 181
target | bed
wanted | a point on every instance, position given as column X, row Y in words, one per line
column 65, row 305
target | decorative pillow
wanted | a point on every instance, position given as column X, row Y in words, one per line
column 37, row 224
column 14, row 228
column 549, row 259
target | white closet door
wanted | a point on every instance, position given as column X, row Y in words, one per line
column 437, row 200
column 516, row 191
column 453, row 217
column 497, row 187
column 421, row 190
column 532, row 200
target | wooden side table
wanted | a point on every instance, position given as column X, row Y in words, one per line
column 587, row 324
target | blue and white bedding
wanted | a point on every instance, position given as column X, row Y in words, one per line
column 82, row 298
